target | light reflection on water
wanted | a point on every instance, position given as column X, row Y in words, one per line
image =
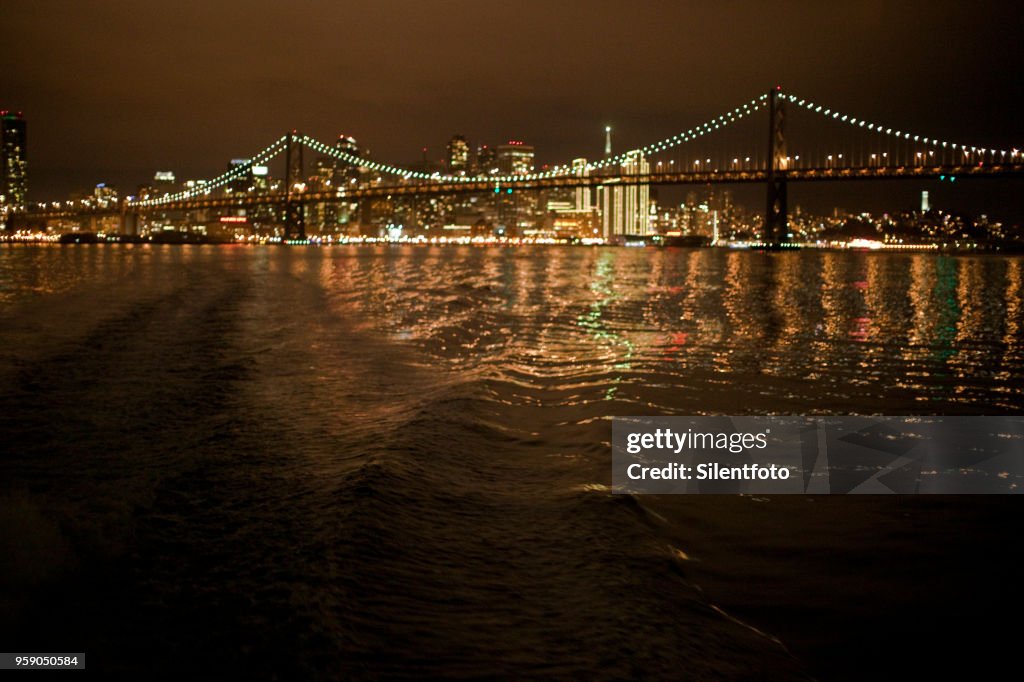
column 410, row 443
column 900, row 328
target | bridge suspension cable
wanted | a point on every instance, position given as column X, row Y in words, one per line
column 691, row 134
column 234, row 173
column 318, row 146
column 899, row 134
column 680, row 139
column 673, row 142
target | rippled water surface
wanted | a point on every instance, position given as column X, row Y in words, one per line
column 366, row 462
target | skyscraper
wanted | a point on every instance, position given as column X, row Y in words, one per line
column 13, row 160
column 163, row 181
column 243, row 181
column 515, row 158
column 349, row 171
column 625, row 208
column 580, row 170
column 516, row 210
column 458, row 154
column 636, row 209
column 486, row 160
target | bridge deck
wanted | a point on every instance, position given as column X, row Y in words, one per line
column 426, row 188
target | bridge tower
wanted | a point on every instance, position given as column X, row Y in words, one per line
column 129, row 221
column 776, row 219
column 294, row 210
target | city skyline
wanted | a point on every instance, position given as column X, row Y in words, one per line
column 344, row 192
column 967, row 200
column 241, row 78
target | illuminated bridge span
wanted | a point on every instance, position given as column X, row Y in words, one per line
column 730, row 148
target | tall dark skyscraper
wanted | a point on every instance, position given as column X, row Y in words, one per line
column 458, row 154
column 14, row 159
column 348, row 171
column 486, row 160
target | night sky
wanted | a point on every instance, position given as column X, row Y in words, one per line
column 115, row 90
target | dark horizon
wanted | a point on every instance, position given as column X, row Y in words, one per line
column 113, row 93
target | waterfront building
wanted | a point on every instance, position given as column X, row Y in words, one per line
column 13, row 159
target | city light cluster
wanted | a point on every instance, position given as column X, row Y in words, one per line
column 29, row 236
column 327, row 240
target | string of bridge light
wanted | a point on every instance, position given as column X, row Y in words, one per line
column 235, row 173
column 682, row 138
column 564, row 169
column 623, row 158
column 626, row 157
column 406, row 173
column 318, row 146
column 898, row 134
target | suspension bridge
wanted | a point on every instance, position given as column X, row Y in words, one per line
column 730, row 148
